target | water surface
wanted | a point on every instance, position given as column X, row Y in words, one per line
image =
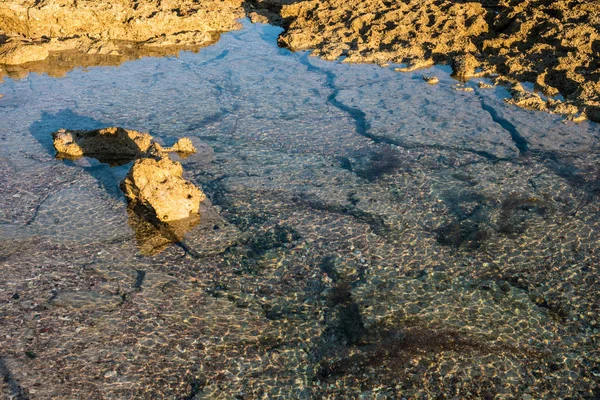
column 371, row 235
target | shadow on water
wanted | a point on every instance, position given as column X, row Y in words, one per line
column 108, row 178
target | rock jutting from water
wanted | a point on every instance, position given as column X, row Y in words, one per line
column 154, row 181
column 157, row 185
column 103, row 144
column 112, row 145
column 432, row 80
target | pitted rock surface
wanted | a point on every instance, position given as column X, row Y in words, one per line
column 158, row 186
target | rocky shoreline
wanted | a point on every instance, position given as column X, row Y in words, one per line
column 556, row 46
column 31, row 30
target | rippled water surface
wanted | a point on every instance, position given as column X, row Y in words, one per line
column 372, row 236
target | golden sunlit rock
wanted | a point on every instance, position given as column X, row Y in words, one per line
column 158, row 186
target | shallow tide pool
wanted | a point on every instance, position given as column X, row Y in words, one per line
column 370, row 236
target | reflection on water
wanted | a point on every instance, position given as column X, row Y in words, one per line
column 370, row 236
column 59, row 63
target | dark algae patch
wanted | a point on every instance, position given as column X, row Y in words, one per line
column 15, row 390
column 373, row 164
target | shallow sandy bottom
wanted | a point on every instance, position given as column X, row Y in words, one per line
column 372, row 236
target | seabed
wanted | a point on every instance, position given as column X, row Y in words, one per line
column 370, row 236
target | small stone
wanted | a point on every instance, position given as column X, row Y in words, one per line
column 462, row 88
column 110, row 374
column 432, row 80
column 183, row 145
column 416, row 64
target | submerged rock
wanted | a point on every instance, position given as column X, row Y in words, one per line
column 158, row 185
column 202, row 234
column 86, row 300
column 153, row 238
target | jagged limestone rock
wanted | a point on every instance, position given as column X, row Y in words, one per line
column 183, row 145
column 154, row 182
column 158, row 185
column 432, row 80
column 113, row 145
column 464, row 66
column 20, row 53
column 29, row 29
column 102, row 144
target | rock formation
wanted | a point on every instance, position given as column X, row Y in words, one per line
column 115, row 146
column 30, row 30
column 464, row 66
column 158, row 185
column 102, row 144
column 555, row 44
column 432, row 80
column 154, row 182
column 183, row 145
